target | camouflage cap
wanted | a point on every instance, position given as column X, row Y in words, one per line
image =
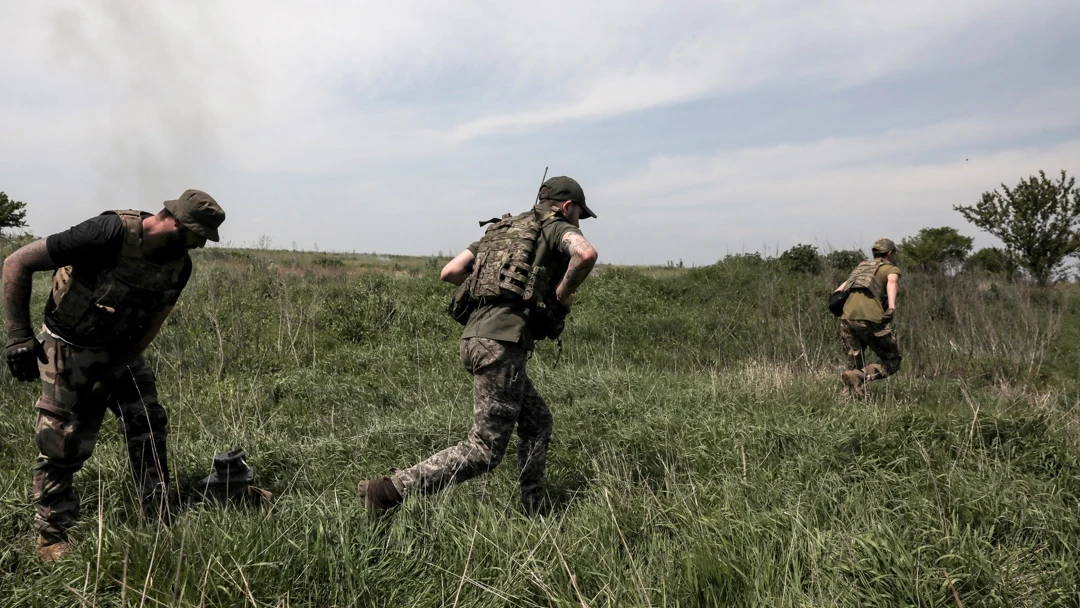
column 562, row 188
column 198, row 212
column 883, row 246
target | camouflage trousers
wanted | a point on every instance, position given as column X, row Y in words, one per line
column 857, row 335
column 76, row 389
column 503, row 396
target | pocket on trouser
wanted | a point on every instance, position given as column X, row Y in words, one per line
column 850, row 339
column 883, row 330
column 53, row 436
column 477, row 354
column 886, row 340
column 57, row 396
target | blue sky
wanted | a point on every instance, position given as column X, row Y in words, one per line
column 697, row 129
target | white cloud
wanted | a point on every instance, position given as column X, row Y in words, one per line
column 837, row 188
column 248, row 77
column 369, row 109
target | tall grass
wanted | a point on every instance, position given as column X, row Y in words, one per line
column 702, row 455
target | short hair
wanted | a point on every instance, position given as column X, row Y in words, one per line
column 164, row 214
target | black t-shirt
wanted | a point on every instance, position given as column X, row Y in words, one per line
column 90, row 247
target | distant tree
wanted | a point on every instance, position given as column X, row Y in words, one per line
column 1038, row 222
column 802, row 258
column 12, row 213
column 935, row 250
column 845, row 259
column 991, row 260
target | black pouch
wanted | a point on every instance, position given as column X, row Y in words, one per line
column 836, row 302
column 461, row 306
column 547, row 322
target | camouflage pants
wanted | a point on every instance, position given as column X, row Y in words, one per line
column 857, row 335
column 503, row 396
column 76, row 389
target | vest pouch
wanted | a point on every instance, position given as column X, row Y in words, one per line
column 461, row 305
column 169, row 295
column 535, row 286
column 514, row 277
column 486, row 278
column 547, row 322
column 106, row 300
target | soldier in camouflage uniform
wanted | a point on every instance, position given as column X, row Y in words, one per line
column 513, row 304
column 867, row 319
column 117, row 277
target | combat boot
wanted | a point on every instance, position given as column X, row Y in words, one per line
column 854, row 383
column 378, row 495
column 51, row 548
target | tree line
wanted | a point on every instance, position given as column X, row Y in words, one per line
column 1037, row 221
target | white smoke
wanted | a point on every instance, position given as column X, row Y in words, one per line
column 166, row 82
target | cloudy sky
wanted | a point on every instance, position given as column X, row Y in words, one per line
column 696, row 128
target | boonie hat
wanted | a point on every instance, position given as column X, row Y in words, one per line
column 883, row 246
column 562, row 188
column 199, row 212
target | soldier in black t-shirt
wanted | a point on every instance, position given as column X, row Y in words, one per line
column 116, row 278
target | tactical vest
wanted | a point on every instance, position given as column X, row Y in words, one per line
column 505, row 266
column 118, row 306
column 865, row 277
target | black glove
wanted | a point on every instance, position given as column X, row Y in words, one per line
column 887, row 317
column 22, row 352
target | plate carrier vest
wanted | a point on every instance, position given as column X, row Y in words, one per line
column 118, row 306
column 865, row 277
column 505, row 266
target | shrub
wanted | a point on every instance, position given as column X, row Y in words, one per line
column 802, row 259
column 991, row 260
column 845, row 259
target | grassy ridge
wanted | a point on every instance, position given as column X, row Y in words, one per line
column 701, row 455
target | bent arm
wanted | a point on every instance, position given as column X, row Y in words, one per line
column 458, row 269
column 892, row 289
column 19, row 269
column 582, row 259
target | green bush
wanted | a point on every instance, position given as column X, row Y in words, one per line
column 935, row 250
column 328, row 262
column 802, row 259
column 991, row 261
column 845, row 259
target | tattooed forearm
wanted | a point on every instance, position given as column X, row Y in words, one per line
column 564, row 245
column 19, row 269
column 575, row 275
column 582, row 259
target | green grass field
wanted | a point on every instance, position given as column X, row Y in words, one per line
column 702, row 454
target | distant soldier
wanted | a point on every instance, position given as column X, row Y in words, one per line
column 868, row 316
column 515, row 286
column 117, row 277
